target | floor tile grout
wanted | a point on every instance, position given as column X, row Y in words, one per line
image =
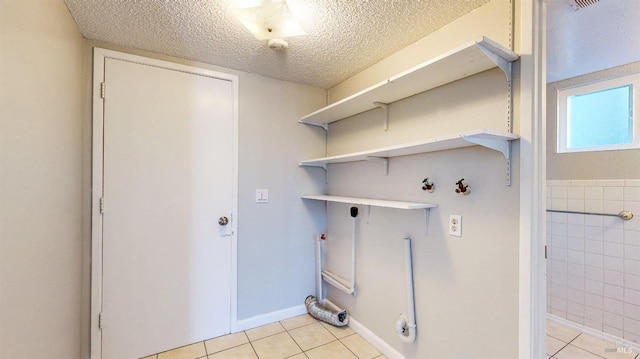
column 333, row 338
column 583, row 346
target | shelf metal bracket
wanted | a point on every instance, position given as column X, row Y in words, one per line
column 427, row 211
column 385, row 108
column 324, row 167
column 319, row 124
column 502, row 146
column 385, row 163
column 503, row 64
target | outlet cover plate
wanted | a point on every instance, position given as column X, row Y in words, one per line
column 455, row 225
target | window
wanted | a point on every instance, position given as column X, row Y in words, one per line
column 599, row 116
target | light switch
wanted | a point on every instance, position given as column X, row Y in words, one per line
column 262, row 195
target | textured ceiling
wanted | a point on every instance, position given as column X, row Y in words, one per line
column 344, row 36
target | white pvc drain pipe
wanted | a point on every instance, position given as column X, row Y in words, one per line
column 406, row 324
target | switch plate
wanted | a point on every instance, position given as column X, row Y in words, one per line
column 455, row 225
column 262, row 195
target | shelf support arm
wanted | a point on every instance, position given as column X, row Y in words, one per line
column 502, row 146
column 385, row 163
column 323, row 166
column 385, row 108
column 426, row 220
column 503, row 64
column 325, row 126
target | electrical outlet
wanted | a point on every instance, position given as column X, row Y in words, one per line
column 455, row 225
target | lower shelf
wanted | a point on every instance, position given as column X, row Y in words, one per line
column 377, row 203
column 371, row 202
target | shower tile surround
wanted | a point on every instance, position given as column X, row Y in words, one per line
column 593, row 265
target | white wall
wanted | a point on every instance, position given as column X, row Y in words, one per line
column 275, row 240
column 45, row 193
column 466, row 288
column 41, row 180
column 600, row 36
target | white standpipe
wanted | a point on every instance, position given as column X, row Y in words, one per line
column 319, row 268
column 406, row 325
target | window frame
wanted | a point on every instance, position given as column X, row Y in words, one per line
column 563, row 94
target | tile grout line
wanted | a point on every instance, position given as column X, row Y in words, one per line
column 304, row 351
column 572, row 340
column 356, row 355
column 294, row 340
column 251, row 344
column 564, row 346
column 586, row 350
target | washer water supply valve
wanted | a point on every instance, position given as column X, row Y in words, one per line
column 428, row 185
column 462, row 188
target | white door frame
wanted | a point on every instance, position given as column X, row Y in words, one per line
column 532, row 112
column 99, row 56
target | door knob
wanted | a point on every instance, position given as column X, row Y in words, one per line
column 223, row 221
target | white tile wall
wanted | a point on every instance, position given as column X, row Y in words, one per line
column 593, row 266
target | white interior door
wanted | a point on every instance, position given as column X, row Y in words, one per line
column 167, row 179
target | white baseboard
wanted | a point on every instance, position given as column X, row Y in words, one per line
column 369, row 336
column 374, row 340
column 268, row 318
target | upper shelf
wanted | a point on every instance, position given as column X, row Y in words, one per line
column 467, row 60
column 495, row 140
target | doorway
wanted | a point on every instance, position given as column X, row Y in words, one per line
column 593, row 270
column 164, row 205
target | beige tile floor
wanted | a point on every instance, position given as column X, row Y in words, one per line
column 568, row 343
column 304, row 337
column 301, row 337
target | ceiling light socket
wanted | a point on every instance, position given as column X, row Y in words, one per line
column 278, row 44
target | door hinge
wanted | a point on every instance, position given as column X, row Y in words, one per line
column 100, row 320
column 101, row 204
column 103, row 89
column 545, row 252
